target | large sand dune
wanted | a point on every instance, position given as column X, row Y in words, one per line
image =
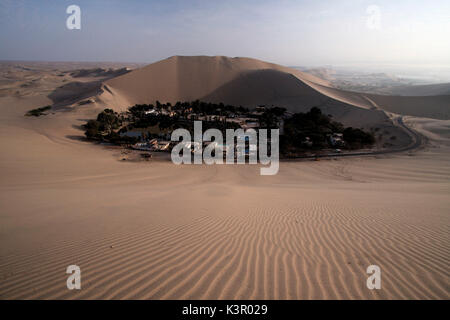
column 250, row 82
column 154, row 230
column 273, row 87
column 182, row 78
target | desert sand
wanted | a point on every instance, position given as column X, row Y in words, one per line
column 153, row 230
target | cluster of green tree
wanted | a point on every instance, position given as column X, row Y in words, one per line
column 140, row 119
column 38, row 111
column 150, row 120
column 270, row 117
column 357, row 138
column 139, row 110
column 213, row 108
column 105, row 128
column 196, row 106
column 311, row 130
column 175, row 122
column 220, row 125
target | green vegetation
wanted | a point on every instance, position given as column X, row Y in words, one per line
column 109, row 120
column 270, row 117
column 38, row 111
column 309, row 130
column 185, row 108
column 357, row 138
column 314, row 130
column 105, row 128
column 169, row 117
column 299, row 132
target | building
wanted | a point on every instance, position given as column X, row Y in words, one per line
column 336, row 139
column 152, row 145
column 162, row 145
column 307, row 142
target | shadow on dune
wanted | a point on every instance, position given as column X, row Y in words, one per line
column 77, row 138
column 73, row 92
column 267, row 87
column 78, row 126
column 272, row 87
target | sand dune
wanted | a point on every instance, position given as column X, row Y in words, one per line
column 422, row 90
column 74, row 92
column 186, row 78
column 266, row 87
column 437, row 107
column 153, row 230
column 249, row 82
column 99, row 72
column 273, row 87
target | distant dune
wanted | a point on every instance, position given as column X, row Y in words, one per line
column 99, row 72
column 436, row 107
column 421, row 90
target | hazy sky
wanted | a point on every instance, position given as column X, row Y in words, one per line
column 308, row 32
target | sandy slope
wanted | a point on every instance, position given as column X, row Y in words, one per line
column 250, row 82
column 437, row 107
column 181, row 78
column 422, row 90
column 155, row 230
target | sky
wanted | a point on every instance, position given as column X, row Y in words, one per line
column 287, row 32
